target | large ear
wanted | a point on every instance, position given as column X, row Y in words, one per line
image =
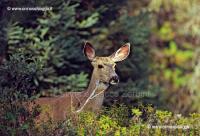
column 122, row 53
column 89, row 51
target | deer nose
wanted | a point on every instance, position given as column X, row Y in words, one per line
column 114, row 80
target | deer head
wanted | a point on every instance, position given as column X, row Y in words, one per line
column 104, row 67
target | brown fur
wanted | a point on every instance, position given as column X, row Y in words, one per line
column 57, row 108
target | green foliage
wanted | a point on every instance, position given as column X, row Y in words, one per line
column 73, row 82
column 16, row 86
column 106, row 125
column 185, row 14
column 174, row 40
column 90, row 21
column 173, row 55
column 78, row 82
column 180, row 57
column 136, row 112
column 163, row 115
column 52, row 48
column 88, row 123
column 166, row 33
column 134, row 71
column 121, row 113
column 193, row 84
column 17, row 75
column 137, row 32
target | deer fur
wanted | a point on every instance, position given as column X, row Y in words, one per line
column 92, row 98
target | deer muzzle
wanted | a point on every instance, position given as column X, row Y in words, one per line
column 114, row 80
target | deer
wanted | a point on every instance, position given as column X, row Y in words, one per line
column 91, row 99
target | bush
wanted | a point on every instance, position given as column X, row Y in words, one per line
column 174, row 41
column 19, row 85
column 16, row 87
column 112, row 123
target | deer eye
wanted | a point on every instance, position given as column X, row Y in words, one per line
column 100, row 66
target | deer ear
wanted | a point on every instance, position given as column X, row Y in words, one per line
column 122, row 53
column 89, row 51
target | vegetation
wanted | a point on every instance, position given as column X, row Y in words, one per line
column 175, row 39
column 41, row 55
column 117, row 121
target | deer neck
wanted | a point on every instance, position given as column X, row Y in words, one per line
column 95, row 88
column 96, row 84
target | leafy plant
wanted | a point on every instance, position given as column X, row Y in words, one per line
column 16, row 87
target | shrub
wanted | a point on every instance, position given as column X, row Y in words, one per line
column 16, row 86
column 89, row 123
